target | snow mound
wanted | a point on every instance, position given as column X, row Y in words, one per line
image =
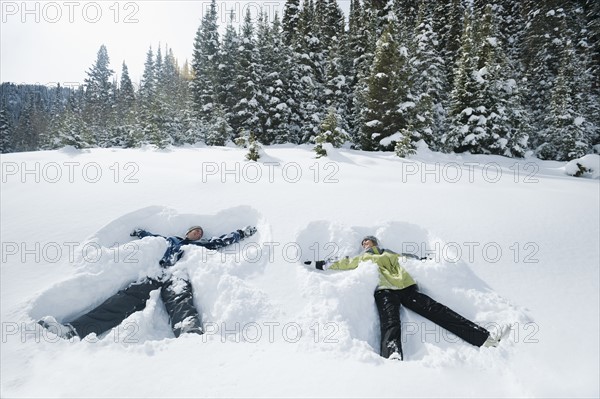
column 586, row 166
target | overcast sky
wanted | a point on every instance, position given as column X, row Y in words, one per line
column 50, row 42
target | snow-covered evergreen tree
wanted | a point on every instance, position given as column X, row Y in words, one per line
column 332, row 132
column 248, row 112
column 32, row 122
column 449, row 25
column 169, row 100
column 503, row 125
column 6, row 144
column 272, row 64
column 99, row 98
column 128, row 129
column 72, row 128
column 205, row 65
column 218, row 130
column 49, row 138
column 228, row 69
column 428, row 121
column 363, row 32
column 337, row 68
column 386, row 104
column 565, row 137
column 541, row 57
column 249, row 141
column 291, row 17
column 464, row 113
column 126, row 91
column 592, row 10
column 310, row 54
column 148, row 101
column 405, row 146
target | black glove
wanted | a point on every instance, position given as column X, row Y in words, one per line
column 136, row 233
column 318, row 264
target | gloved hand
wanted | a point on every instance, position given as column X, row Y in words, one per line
column 320, row 264
column 247, row 231
column 136, row 233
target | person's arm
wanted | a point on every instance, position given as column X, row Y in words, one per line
column 141, row 233
column 342, row 264
column 226, row 239
column 346, row 263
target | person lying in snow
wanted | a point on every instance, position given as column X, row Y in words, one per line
column 176, row 292
column 396, row 287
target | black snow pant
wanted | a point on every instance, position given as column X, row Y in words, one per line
column 388, row 305
column 176, row 294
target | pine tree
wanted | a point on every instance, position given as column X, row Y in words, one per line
column 592, row 10
column 33, row 121
column 49, row 139
column 541, row 57
column 429, row 117
column 291, row 17
column 72, row 128
column 205, row 65
column 147, row 101
column 405, row 146
column 248, row 112
column 384, row 115
column 126, row 91
column 6, row 144
column 218, row 131
column 249, row 140
column 99, row 95
column 565, row 137
column 169, row 103
column 272, row 62
column 449, row 24
column 464, row 111
column 336, row 80
column 128, row 127
column 229, row 94
column 331, row 132
column 507, row 122
column 310, row 54
column 362, row 39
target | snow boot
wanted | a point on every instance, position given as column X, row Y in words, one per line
column 494, row 339
column 64, row 331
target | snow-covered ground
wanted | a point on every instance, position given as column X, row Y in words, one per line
column 509, row 241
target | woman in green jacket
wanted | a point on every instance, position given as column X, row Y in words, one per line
column 396, row 287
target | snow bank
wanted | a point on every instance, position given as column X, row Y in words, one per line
column 586, row 166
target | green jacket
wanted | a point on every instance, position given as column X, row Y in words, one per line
column 391, row 274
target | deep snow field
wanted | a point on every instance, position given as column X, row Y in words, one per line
column 508, row 241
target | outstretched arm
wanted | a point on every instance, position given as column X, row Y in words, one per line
column 226, row 239
column 342, row 264
column 141, row 233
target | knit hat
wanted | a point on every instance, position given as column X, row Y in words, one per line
column 194, row 228
column 370, row 238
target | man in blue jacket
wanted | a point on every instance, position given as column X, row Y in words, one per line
column 176, row 291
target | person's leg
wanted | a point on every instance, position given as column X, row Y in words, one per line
column 179, row 302
column 115, row 309
column 388, row 307
column 443, row 316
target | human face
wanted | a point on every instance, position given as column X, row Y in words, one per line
column 195, row 234
column 366, row 244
